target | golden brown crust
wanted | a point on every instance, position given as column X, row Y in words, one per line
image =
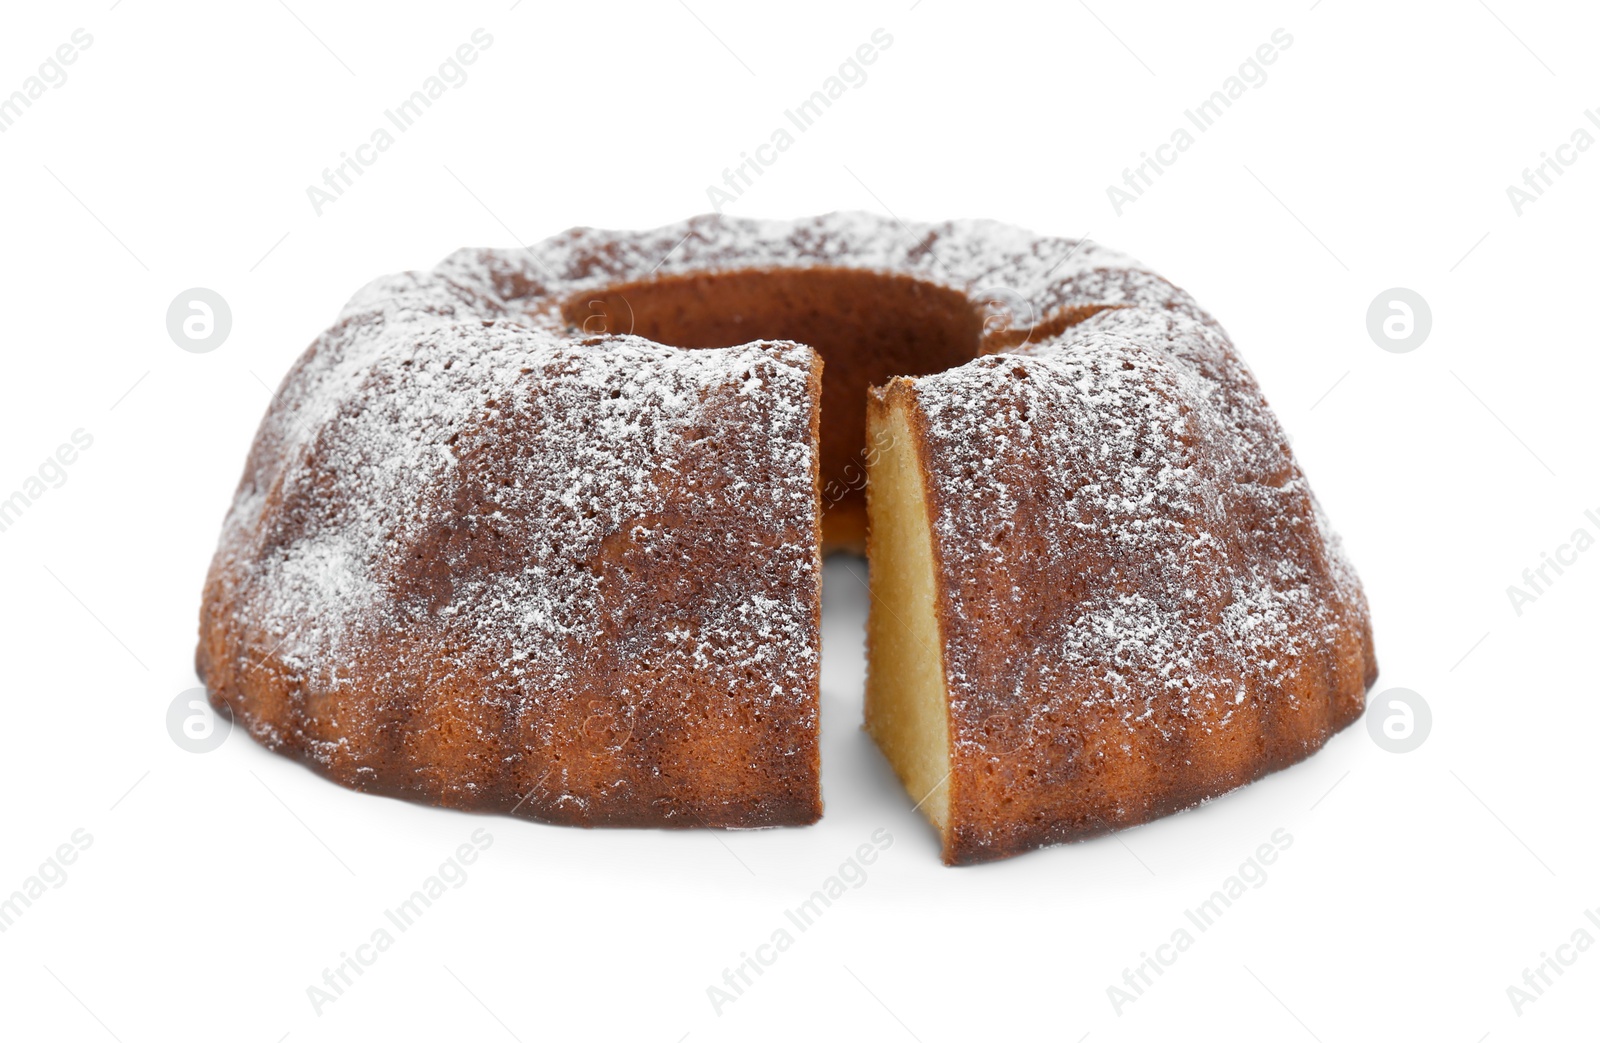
column 477, row 563
column 1150, row 619
column 588, row 592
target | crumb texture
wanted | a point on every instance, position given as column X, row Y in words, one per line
column 906, row 702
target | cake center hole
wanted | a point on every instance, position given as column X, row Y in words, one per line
column 867, row 326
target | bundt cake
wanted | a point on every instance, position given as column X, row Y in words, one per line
column 540, row 531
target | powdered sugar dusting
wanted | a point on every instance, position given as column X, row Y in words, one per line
column 973, row 256
column 454, row 507
column 492, row 499
column 1190, row 565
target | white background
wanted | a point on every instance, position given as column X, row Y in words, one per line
column 1377, row 154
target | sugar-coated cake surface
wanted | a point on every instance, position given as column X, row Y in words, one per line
column 484, row 566
column 498, row 545
column 1157, row 614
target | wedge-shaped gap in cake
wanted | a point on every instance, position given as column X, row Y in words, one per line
column 868, row 326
